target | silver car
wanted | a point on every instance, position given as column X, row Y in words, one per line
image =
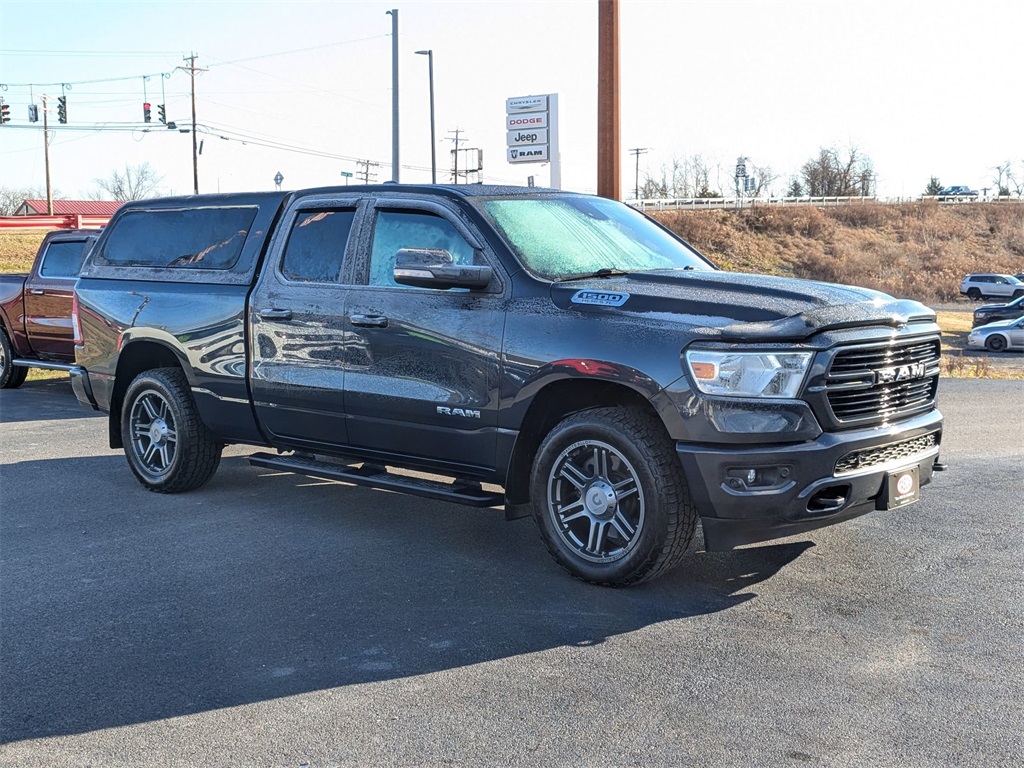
column 998, row 336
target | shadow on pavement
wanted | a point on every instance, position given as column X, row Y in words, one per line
column 49, row 399
column 121, row 606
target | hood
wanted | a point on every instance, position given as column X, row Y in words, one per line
column 998, row 307
column 734, row 306
column 996, row 325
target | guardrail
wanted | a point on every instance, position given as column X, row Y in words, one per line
column 701, row 203
column 70, row 221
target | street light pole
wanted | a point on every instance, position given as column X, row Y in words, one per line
column 395, row 167
column 433, row 141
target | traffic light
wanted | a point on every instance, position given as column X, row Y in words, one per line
column 161, row 113
column 147, row 116
column 62, row 110
column 33, row 113
column 5, row 113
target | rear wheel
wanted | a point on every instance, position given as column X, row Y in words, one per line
column 609, row 497
column 168, row 447
column 995, row 343
column 974, row 293
column 11, row 376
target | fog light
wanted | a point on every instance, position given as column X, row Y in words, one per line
column 758, row 478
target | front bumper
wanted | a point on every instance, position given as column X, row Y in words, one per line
column 751, row 494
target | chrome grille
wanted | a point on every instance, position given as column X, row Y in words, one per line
column 874, row 457
column 883, row 382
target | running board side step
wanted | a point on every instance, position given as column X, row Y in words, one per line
column 372, row 475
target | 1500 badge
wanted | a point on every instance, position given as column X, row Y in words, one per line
column 600, row 298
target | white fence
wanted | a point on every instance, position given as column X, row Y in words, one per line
column 702, row 203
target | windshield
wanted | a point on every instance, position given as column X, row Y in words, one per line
column 562, row 237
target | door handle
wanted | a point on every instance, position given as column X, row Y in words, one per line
column 276, row 314
column 37, row 291
column 369, row 321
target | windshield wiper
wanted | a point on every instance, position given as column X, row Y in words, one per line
column 603, row 272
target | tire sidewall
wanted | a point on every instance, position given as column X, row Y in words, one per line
column 7, row 370
column 652, row 533
column 995, row 344
column 143, row 384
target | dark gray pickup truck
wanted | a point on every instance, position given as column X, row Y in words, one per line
column 559, row 354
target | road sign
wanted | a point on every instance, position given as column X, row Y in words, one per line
column 346, row 174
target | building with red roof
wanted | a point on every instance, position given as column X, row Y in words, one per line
column 70, row 208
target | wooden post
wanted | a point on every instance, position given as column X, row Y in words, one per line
column 609, row 181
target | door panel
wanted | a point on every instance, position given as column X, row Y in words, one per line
column 49, row 292
column 425, row 380
column 299, row 330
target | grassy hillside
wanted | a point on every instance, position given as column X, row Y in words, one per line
column 911, row 250
column 18, row 249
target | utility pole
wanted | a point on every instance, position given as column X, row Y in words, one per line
column 638, row 151
column 609, row 183
column 455, row 154
column 366, row 166
column 192, row 69
column 46, row 156
column 394, row 93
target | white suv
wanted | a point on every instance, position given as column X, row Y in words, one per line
column 991, row 285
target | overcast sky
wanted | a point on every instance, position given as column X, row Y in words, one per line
column 923, row 88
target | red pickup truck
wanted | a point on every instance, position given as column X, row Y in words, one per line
column 35, row 309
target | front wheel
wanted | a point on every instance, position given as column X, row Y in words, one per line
column 11, row 376
column 168, row 447
column 995, row 343
column 609, row 497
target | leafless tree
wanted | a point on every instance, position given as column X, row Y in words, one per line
column 688, row 176
column 11, row 198
column 833, row 173
column 764, row 177
column 1015, row 178
column 137, row 182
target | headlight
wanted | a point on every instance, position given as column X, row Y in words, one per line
column 748, row 374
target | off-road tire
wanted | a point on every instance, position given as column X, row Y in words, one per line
column 583, row 476
column 11, row 376
column 168, row 447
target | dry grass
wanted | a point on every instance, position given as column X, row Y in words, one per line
column 18, row 249
column 911, row 250
column 914, row 250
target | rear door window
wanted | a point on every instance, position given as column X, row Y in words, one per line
column 316, row 245
column 63, row 258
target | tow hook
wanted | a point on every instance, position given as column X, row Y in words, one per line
column 938, row 466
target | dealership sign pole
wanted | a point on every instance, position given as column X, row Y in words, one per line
column 531, row 125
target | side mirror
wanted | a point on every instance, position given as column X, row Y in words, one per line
column 435, row 268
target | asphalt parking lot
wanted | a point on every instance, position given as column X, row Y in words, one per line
column 274, row 620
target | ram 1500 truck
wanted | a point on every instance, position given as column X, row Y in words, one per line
column 557, row 353
column 35, row 309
